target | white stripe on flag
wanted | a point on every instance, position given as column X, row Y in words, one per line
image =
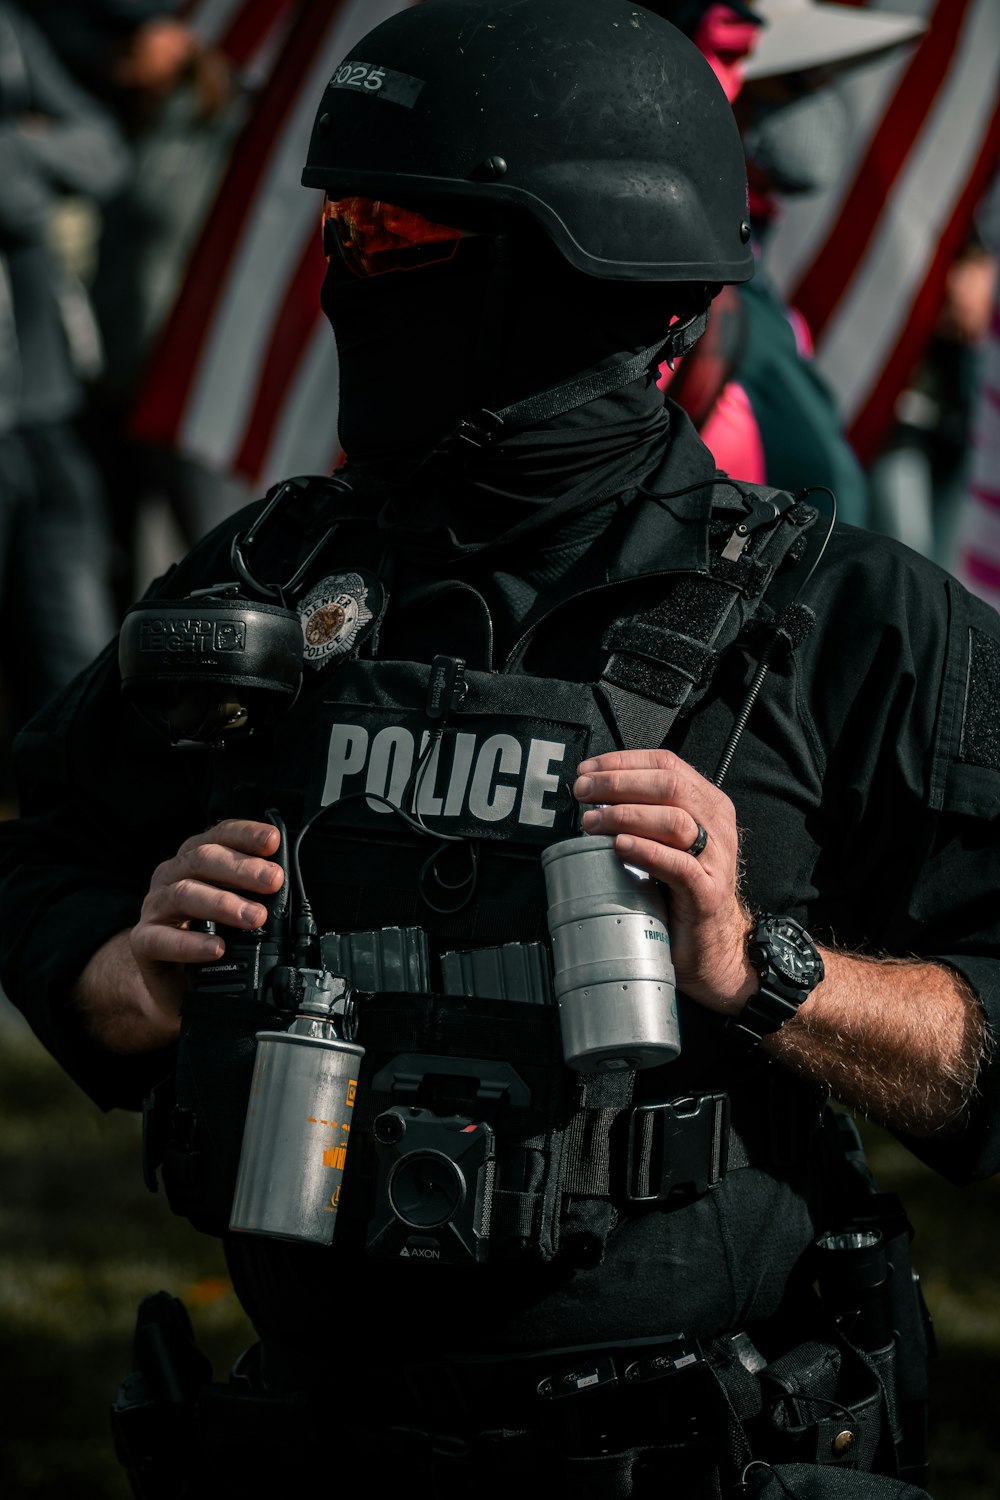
column 806, row 222
column 869, row 317
column 209, row 18
column 258, row 67
column 304, row 440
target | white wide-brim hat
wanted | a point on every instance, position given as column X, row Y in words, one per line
column 801, row 34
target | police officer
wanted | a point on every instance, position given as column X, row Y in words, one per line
column 527, row 605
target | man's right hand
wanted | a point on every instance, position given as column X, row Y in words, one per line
column 213, row 877
column 132, row 989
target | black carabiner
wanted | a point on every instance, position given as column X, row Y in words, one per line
column 244, row 541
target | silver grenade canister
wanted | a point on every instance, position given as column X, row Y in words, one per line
column 299, row 1121
column 614, row 978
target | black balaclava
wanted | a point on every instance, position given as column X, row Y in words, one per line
column 503, row 319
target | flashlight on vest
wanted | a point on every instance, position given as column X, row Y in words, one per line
column 853, row 1275
column 613, row 974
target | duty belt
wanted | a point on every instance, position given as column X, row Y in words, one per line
column 539, row 1390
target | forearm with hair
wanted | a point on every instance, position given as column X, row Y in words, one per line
column 116, row 1005
column 900, row 1040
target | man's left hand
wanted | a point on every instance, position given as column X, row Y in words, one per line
column 655, row 805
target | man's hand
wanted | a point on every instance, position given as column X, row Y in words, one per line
column 653, row 805
column 204, row 881
column 132, row 989
column 900, row 1039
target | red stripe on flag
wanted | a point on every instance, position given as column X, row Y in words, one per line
column 990, row 498
column 980, row 570
column 253, row 22
column 171, row 368
column 824, row 283
column 875, row 417
column 293, row 324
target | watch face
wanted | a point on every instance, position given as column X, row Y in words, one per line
column 792, row 953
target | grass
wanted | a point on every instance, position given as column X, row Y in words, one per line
column 81, row 1241
column 956, row 1249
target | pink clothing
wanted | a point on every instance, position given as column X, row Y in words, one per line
column 726, row 40
column 730, row 432
column 732, row 436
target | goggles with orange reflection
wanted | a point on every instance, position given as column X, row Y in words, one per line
column 373, row 237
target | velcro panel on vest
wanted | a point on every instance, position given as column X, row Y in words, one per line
column 750, row 575
column 654, row 656
column 651, row 673
column 980, row 741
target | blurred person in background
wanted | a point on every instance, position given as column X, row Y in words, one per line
column 780, row 61
column 702, row 382
column 55, row 594
column 918, row 478
column 977, row 527
column 180, row 103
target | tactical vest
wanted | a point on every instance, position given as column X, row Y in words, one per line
column 483, row 794
column 458, row 1036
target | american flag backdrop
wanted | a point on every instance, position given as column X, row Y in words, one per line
column 866, row 263
column 244, row 375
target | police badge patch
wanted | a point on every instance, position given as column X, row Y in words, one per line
column 338, row 613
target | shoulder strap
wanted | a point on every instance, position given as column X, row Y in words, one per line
column 663, row 655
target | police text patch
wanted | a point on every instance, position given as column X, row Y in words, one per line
column 478, row 779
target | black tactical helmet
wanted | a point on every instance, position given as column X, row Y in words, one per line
column 596, row 118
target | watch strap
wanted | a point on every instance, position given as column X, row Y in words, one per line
column 778, row 997
column 764, row 1013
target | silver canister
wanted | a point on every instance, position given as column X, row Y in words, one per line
column 298, row 1125
column 614, row 977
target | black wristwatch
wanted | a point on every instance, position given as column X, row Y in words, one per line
column 788, row 963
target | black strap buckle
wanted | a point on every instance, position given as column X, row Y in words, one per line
column 679, row 1144
column 480, row 430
